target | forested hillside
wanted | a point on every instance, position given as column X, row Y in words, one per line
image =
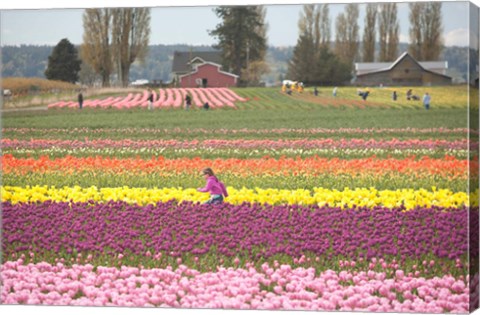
column 25, row 61
column 31, row 61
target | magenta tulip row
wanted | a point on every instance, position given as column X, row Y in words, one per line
column 244, row 144
column 188, row 228
column 171, row 97
column 280, row 288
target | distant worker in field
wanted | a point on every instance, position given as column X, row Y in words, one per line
column 214, row 186
column 206, row 106
column 150, row 99
column 426, row 101
column 409, row 94
column 188, row 102
column 315, row 91
column 289, row 89
column 394, row 95
column 300, row 87
column 80, row 100
column 334, row 92
column 363, row 94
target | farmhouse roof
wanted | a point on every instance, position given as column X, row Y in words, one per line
column 209, row 63
column 436, row 67
column 182, row 59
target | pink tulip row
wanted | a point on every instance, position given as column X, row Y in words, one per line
column 279, row 288
column 328, row 143
column 170, row 97
column 241, row 131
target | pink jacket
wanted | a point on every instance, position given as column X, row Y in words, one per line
column 214, row 187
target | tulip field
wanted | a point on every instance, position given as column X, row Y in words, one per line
column 171, row 97
column 351, row 208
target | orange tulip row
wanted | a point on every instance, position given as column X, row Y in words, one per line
column 449, row 167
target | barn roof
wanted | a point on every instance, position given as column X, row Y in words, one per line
column 435, row 67
column 181, row 59
column 209, row 63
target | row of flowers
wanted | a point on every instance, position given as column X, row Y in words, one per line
column 253, row 231
column 394, row 144
column 243, row 153
column 245, row 131
column 449, row 166
column 101, row 179
column 216, row 97
column 360, row 197
column 273, row 288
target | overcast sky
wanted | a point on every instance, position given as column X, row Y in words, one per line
column 190, row 25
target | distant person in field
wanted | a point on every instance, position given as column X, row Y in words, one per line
column 426, row 101
column 289, row 89
column 206, row 106
column 80, row 100
column 214, row 186
column 315, row 91
column 363, row 94
column 394, row 95
column 334, row 93
column 188, row 102
column 409, row 94
column 300, row 87
column 150, row 99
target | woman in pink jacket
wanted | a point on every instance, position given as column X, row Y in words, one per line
column 215, row 187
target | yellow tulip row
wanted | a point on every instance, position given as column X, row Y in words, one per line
column 360, row 197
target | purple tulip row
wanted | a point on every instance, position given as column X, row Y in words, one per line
column 279, row 288
column 253, row 230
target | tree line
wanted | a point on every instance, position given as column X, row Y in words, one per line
column 31, row 61
column 114, row 38
column 319, row 60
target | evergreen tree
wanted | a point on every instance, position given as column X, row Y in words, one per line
column 63, row 63
column 254, row 69
column 312, row 62
column 237, row 39
column 310, row 26
column 300, row 67
column 329, row 69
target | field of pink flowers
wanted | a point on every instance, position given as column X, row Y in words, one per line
column 170, row 97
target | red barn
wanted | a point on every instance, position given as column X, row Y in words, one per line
column 207, row 74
